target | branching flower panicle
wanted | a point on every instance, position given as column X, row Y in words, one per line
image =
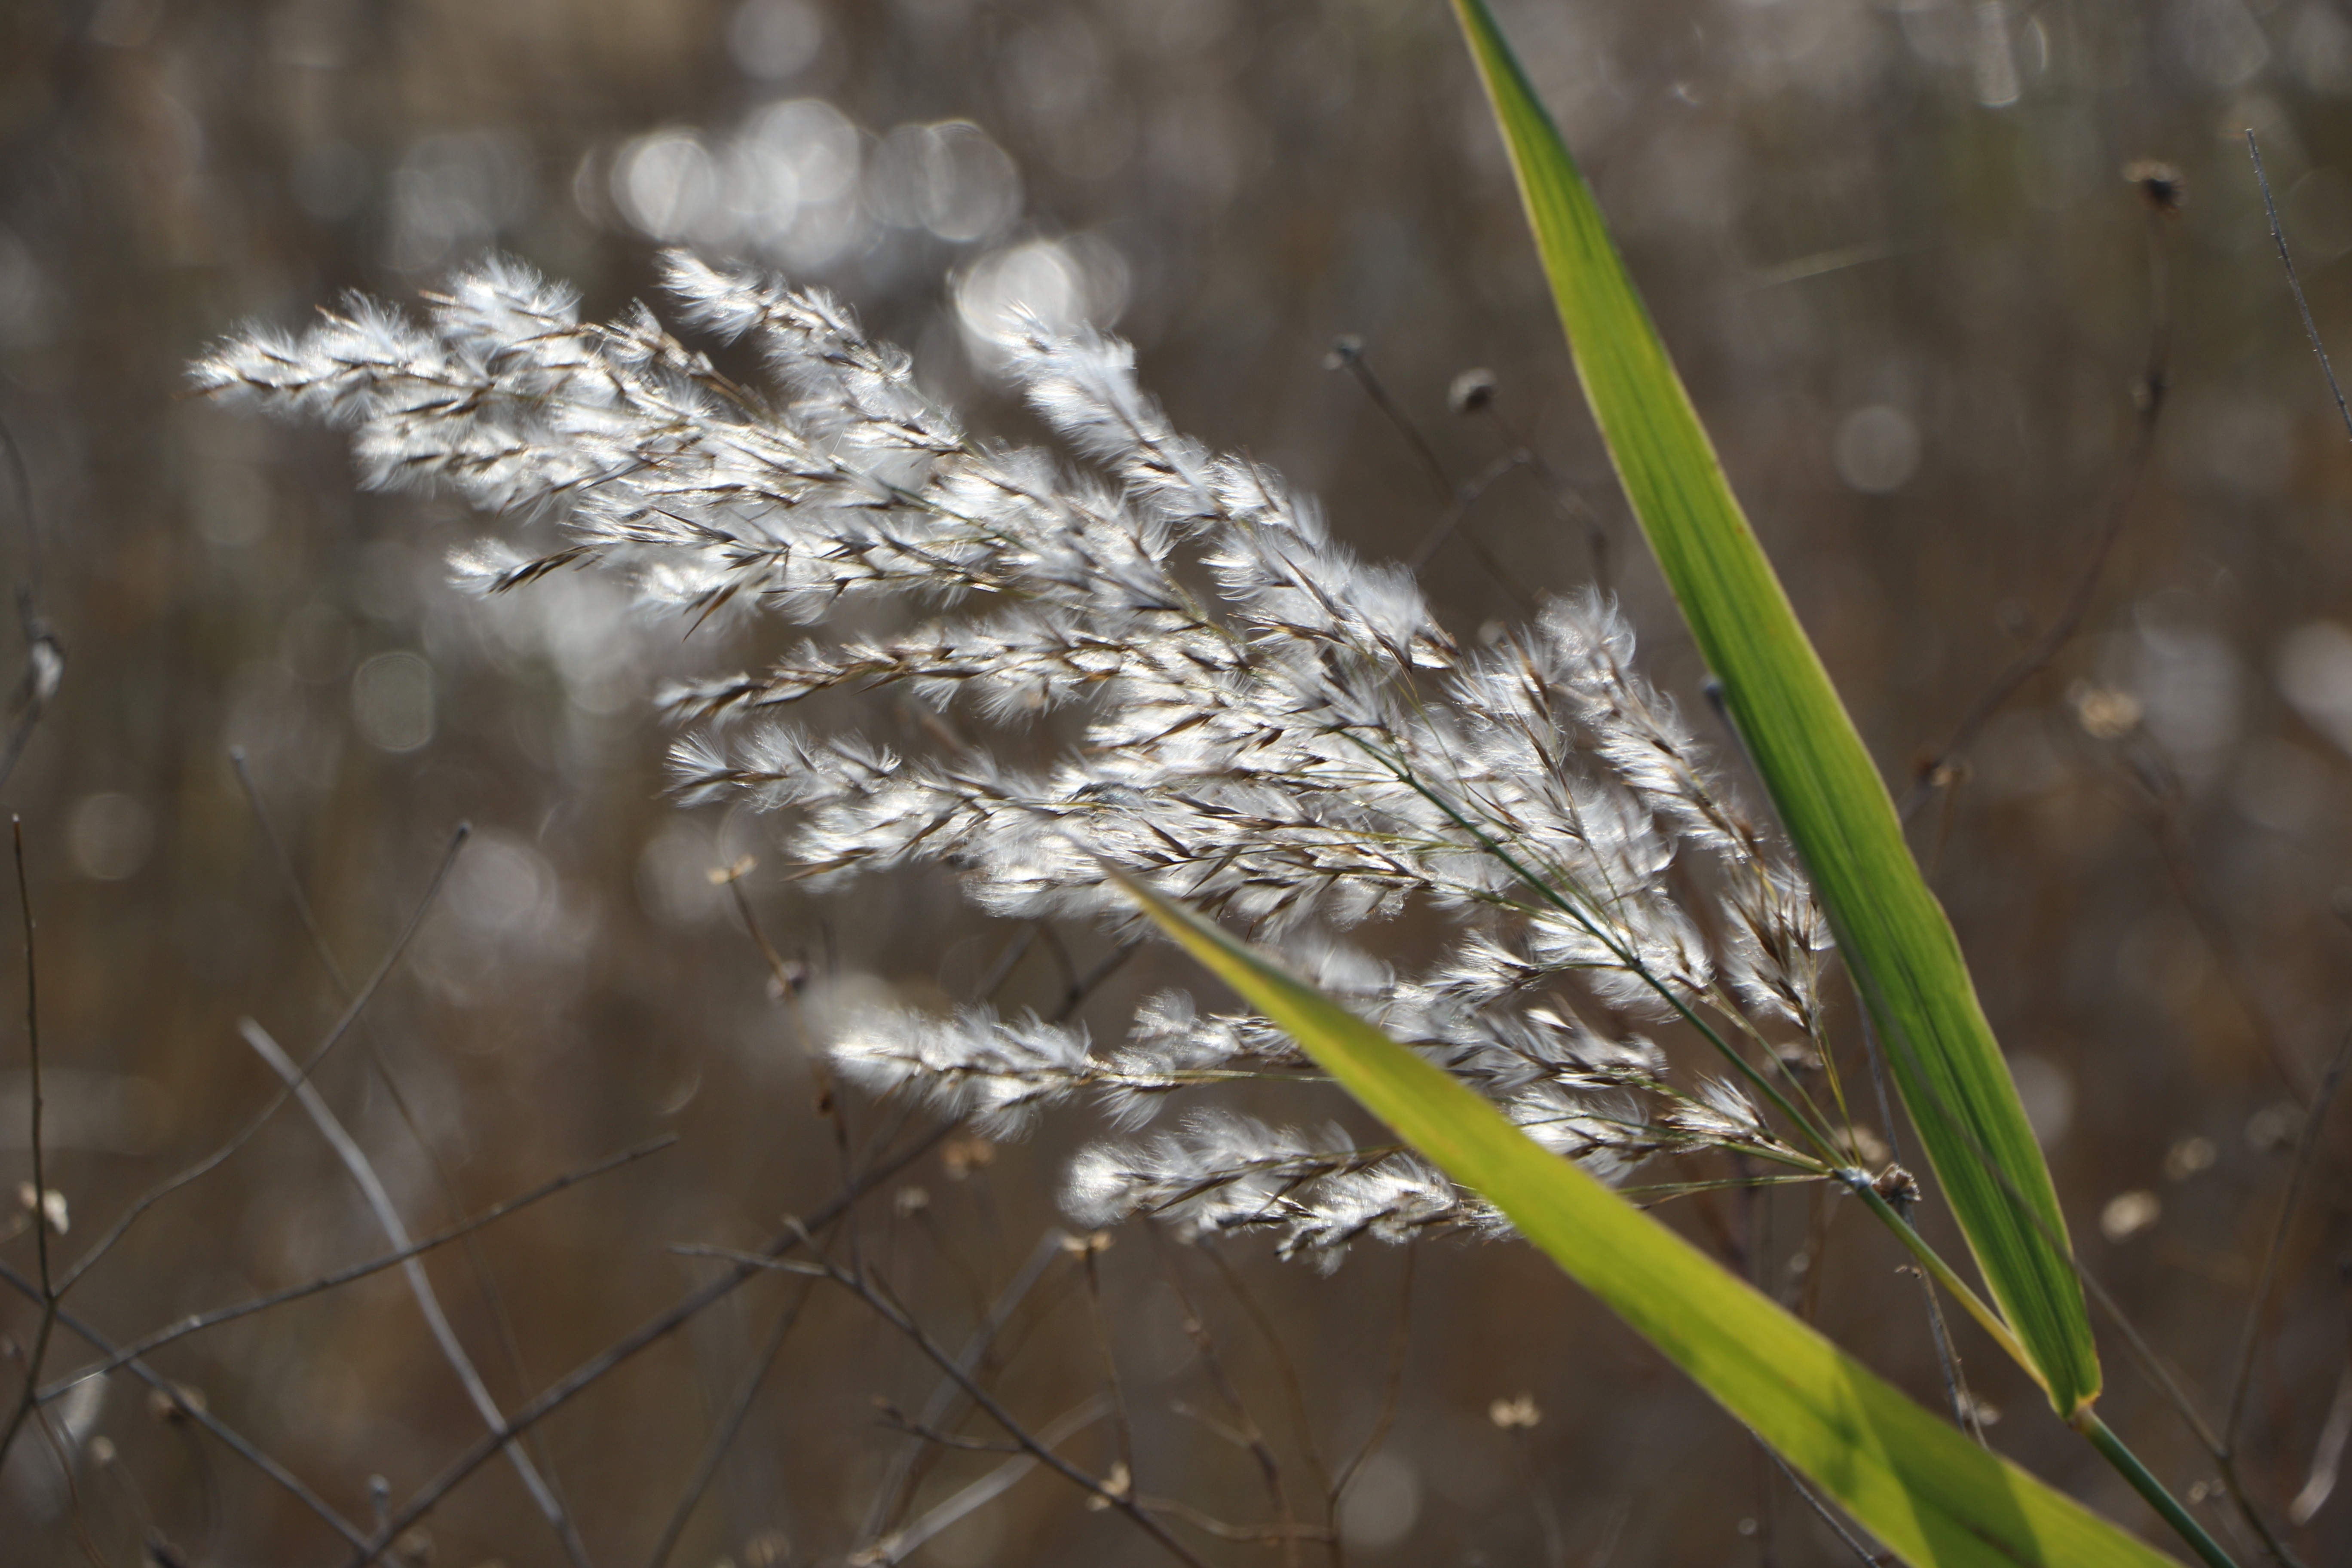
column 1303, row 748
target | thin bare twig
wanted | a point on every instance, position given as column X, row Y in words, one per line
column 1089, row 1249
column 1245, row 1428
column 2278, row 238
column 1473, row 490
column 1302, row 1429
column 2307, row 1146
column 343, row 1027
column 1348, row 354
column 714, row 1453
column 1947, row 1355
column 788, row 990
column 1570, row 506
column 2153, row 773
column 28, row 1399
column 2165, row 1382
column 196, row 1323
column 1084, row 986
column 62, row 1453
column 1007, row 962
column 1937, row 768
column 1821, row 1510
column 901, row 1545
column 654, row 1329
column 2327, row 1456
column 1248, row 1534
column 879, row 1301
column 191, row 1410
column 485, row 1280
column 420, row 1285
column 1392, row 1388
column 45, row 656
column 939, row 1407
column 1522, row 1444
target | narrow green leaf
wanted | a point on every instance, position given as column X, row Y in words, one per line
column 1893, row 934
column 1914, row 1481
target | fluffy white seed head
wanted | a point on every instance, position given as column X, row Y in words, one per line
column 1298, row 747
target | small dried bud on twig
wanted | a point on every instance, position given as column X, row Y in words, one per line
column 2104, row 712
column 960, row 1157
column 171, row 1405
column 52, row 1205
column 1472, row 391
column 1517, row 1413
column 2159, row 184
column 1118, row 1483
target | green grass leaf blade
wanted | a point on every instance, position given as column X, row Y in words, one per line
column 1914, row 1481
column 1894, row 936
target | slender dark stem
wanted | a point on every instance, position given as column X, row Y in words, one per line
column 1293, row 1396
column 1084, row 986
column 1564, row 499
column 199, row 1321
column 45, row 656
column 883, row 1306
column 1935, row 768
column 1838, row 1526
column 2166, row 799
column 1393, row 1387
column 23, row 482
column 343, row 1024
column 902, row 1543
column 788, row 986
column 2086, row 1420
column 714, row 1454
column 659, row 1327
column 2278, row 238
column 188, row 1409
column 1467, row 497
column 485, row 1281
column 1246, row 1429
column 1007, row 962
column 1540, row 1503
column 1947, row 1355
column 1348, row 354
column 937, row 1410
column 1090, row 1250
column 2308, row 1145
column 29, row 1397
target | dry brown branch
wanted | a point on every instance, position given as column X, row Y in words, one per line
column 343, row 1027
column 877, row 1299
column 27, row 1399
column 196, row 1323
column 659, row 1327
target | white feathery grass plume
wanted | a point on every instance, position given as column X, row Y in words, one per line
column 1302, row 747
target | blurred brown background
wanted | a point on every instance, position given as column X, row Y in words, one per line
column 1895, row 251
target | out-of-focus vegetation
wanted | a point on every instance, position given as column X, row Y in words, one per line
column 1913, row 293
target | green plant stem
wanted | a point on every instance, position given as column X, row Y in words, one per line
column 2086, row 1421
column 2144, row 1482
